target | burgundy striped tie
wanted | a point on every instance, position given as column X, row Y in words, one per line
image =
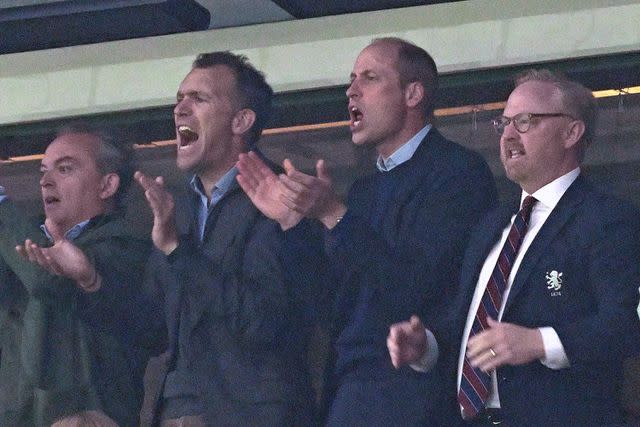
column 475, row 384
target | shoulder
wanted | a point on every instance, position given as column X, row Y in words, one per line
column 601, row 207
column 114, row 233
column 458, row 157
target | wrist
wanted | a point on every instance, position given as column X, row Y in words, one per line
column 169, row 247
column 92, row 284
column 334, row 215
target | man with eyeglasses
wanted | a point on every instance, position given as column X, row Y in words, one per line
column 548, row 291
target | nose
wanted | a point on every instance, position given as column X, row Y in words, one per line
column 45, row 179
column 509, row 131
column 182, row 108
column 353, row 90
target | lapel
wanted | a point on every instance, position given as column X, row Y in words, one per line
column 561, row 214
column 486, row 236
column 212, row 217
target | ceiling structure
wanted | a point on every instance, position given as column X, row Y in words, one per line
column 28, row 25
column 31, row 25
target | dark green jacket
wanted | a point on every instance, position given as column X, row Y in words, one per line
column 63, row 350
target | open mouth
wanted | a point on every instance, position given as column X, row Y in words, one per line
column 355, row 115
column 186, row 136
column 514, row 154
column 50, row 200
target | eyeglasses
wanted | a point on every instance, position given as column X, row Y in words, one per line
column 522, row 121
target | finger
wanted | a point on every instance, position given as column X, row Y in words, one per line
column 479, row 344
column 259, row 168
column 29, row 249
column 291, row 205
column 288, row 166
column 250, row 176
column 38, row 256
column 21, row 251
column 142, row 179
column 247, row 185
column 302, row 178
column 321, row 171
column 160, row 181
column 485, row 361
column 395, row 333
column 291, row 187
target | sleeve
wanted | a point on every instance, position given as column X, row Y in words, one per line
column 554, row 354
column 248, row 294
column 430, row 357
column 307, row 269
column 123, row 305
column 14, row 229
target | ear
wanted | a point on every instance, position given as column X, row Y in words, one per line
column 242, row 121
column 109, row 185
column 574, row 132
column 413, row 94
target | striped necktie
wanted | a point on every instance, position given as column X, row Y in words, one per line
column 475, row 384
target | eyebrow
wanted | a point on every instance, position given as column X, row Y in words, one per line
column 192, row 93
column 60, row 160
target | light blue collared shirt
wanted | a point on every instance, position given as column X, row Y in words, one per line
column 220, row 188
column 404, row 153
column 71, row 233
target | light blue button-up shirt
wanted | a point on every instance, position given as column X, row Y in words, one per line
column 219, row 190
column 404, row 153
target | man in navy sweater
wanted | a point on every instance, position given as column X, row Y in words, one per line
column 395, row 246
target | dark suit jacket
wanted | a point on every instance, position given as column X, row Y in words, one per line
column 594, row 241
column 64, row 350
column 406, row 262
column 233, row 325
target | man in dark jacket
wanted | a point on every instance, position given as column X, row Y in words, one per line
column 77, row 327
column 235, row 353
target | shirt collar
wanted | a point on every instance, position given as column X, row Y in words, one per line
column 550, row 194
column 222, row 185
column 71, row 233
column 404, row 153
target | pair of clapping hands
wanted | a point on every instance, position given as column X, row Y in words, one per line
column 285, row 198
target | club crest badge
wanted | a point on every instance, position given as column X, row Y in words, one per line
column 554, row 282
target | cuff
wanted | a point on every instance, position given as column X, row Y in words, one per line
column 554, row 355
column 430, row 357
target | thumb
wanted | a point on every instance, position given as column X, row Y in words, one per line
column 416, row 324
column 492, row 323
column 321, row 171
column 54, row 230
column 288, row 166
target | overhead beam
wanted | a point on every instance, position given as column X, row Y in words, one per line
column 313, row 53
